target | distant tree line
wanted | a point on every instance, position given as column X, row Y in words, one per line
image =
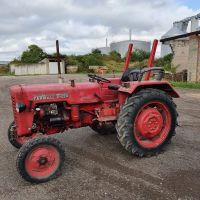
column 34, row 54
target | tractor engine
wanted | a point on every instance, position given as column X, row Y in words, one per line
column 51, row 118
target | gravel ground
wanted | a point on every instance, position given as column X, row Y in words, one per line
column 97, row 167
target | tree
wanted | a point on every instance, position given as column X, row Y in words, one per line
column 33, row 54
column 114, row 55
column 139, row 55
column 96, row 51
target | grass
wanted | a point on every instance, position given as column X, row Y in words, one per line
column 4, row 71
column 186, row 85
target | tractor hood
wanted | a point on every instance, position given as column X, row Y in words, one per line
column 86, row 92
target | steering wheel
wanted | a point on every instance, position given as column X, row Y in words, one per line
column 98, row 78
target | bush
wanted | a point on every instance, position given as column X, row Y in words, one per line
column 139, row 55
column 96, row 51
column 4, row 71
column 166, row 63
column 71, row 60
column 93, row 59
column 115, row 56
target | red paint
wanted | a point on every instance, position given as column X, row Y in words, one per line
column 24, row 139
column 128, row 56
column 152, row 124
column 151, row 59
column 75, row 113
column 42, row 161
column 162, row 85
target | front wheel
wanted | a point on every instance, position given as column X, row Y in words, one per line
column 146, row 122
column 12, row 136
column 40, row 159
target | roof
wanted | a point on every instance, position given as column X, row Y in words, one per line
column 52, row 59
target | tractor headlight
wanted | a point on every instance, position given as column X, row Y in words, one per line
column 20, row 107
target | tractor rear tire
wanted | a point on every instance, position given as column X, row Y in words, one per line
column 104, row 129
column 147, row 122
column 40, row 159
column 12, row 137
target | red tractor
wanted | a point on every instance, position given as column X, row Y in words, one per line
column 140, row 111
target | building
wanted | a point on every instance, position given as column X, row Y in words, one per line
column 122, row 46
column 186, row 50
column 52, row 65
column 104, row 50
column 46, row 66
column 179, row 28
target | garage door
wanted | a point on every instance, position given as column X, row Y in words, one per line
column 53, row 68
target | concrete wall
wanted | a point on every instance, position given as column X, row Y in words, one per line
column 38, row 68
column 181, row 51
column 194, row 60
column 187, row 57
column 30, row 69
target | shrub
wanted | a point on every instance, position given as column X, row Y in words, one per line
column 139, row 55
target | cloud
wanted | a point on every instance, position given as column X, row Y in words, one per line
column 82, row 25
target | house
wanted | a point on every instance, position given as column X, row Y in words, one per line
column 48, row 65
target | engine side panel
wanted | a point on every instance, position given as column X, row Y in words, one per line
column 79, row 94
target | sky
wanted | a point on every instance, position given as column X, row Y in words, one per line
column 81, row 25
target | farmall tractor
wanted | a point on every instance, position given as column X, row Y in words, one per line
column 140, row 111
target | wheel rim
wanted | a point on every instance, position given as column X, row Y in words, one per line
column 42, row 161
column 152, row 124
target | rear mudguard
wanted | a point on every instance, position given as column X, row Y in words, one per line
column 129, row 88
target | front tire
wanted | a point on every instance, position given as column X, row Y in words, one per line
column 40, row 159
column 147, row 122
column 12, row 136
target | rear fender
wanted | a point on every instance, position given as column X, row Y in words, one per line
column 133, row 87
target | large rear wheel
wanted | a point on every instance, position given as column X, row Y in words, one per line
column 40, row 159
column 146, row 122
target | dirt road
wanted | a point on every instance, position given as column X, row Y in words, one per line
column 97, row 167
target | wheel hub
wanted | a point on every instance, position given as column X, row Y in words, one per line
column 42, row 160
column 149, row 123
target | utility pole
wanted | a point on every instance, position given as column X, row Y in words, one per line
column 60, row 79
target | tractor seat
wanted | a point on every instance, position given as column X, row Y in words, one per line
column 113, row 87
column 131, row 74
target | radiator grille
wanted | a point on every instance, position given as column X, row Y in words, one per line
column 14, row 109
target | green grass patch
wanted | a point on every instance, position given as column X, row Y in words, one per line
column 4, row 71
column 186, row 85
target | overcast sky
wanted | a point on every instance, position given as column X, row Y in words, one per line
column 84, row 24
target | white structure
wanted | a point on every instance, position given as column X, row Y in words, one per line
column 179, row 27
column 52, row 65
column 46, row 66
column 121, row 47
column 104, row 50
